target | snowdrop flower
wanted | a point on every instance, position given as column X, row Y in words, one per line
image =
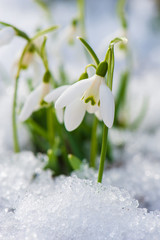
column 30, row 57
column 66, row 38
column 53, row 96
column 34, row 100
column 6, row 35
column 120, row 54
column 68, row 34
column 91, row 95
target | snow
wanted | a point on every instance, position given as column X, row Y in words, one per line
column 66, row 207
column 136, row 167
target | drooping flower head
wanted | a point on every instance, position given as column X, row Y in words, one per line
column 56, row 93
column 53, row 96
column 35, row 98
column 6, row 35
column 91, row 95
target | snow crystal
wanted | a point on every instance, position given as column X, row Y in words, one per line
column 140, row 176
column 16, row 173
column 66, row 207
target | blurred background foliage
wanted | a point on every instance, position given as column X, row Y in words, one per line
column 98, row 22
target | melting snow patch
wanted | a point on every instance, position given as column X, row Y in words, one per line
column 66, row 207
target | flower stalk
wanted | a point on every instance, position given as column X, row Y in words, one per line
column 103, row 153
column 14, row 123
column 93, row 150
column 50, row 126
column 20, row 67
column 81, row 7
column 14, row 120
column 110, row 59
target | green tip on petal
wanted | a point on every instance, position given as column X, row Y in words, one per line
column 46, row 77
column 102, row 69
column 43, row 103
column 83, row 76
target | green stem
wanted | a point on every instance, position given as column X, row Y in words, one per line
column 50, row 125
column 38, row 129
column 90, row 50
column 43, row 32
column 103, row 153
column 93, row 151
column 81, row 7
column 90, row 65
column 14, row 124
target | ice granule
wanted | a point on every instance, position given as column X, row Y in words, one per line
column 16, row 173
column 139, row 175
column 67, row 208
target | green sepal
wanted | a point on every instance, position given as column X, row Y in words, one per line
column 47, row 76
column 74, row 162
column 102, row 69
column 83, row 76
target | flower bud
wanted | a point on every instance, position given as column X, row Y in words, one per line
column 6, row 35
column 83, row 76
column 47, row 77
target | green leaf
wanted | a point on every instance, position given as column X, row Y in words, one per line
column 74, row 161
column 18, row 31
column 37, row 128
column 121, row 94
column 110, row 60
column 121, row 12
column 43, row 53
column 52, row 161
column 90, row 50
column 45, row 31
column 118, row 40
column 43, row 5
column 137, row 122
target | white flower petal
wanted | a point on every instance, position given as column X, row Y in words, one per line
column 90, row 108
column 74, row 114
column 98, row 115
column 59, row 114
column 31, row 103
column 54, row 95
column 74, row 91
column 107, row 105
column 6, row 35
